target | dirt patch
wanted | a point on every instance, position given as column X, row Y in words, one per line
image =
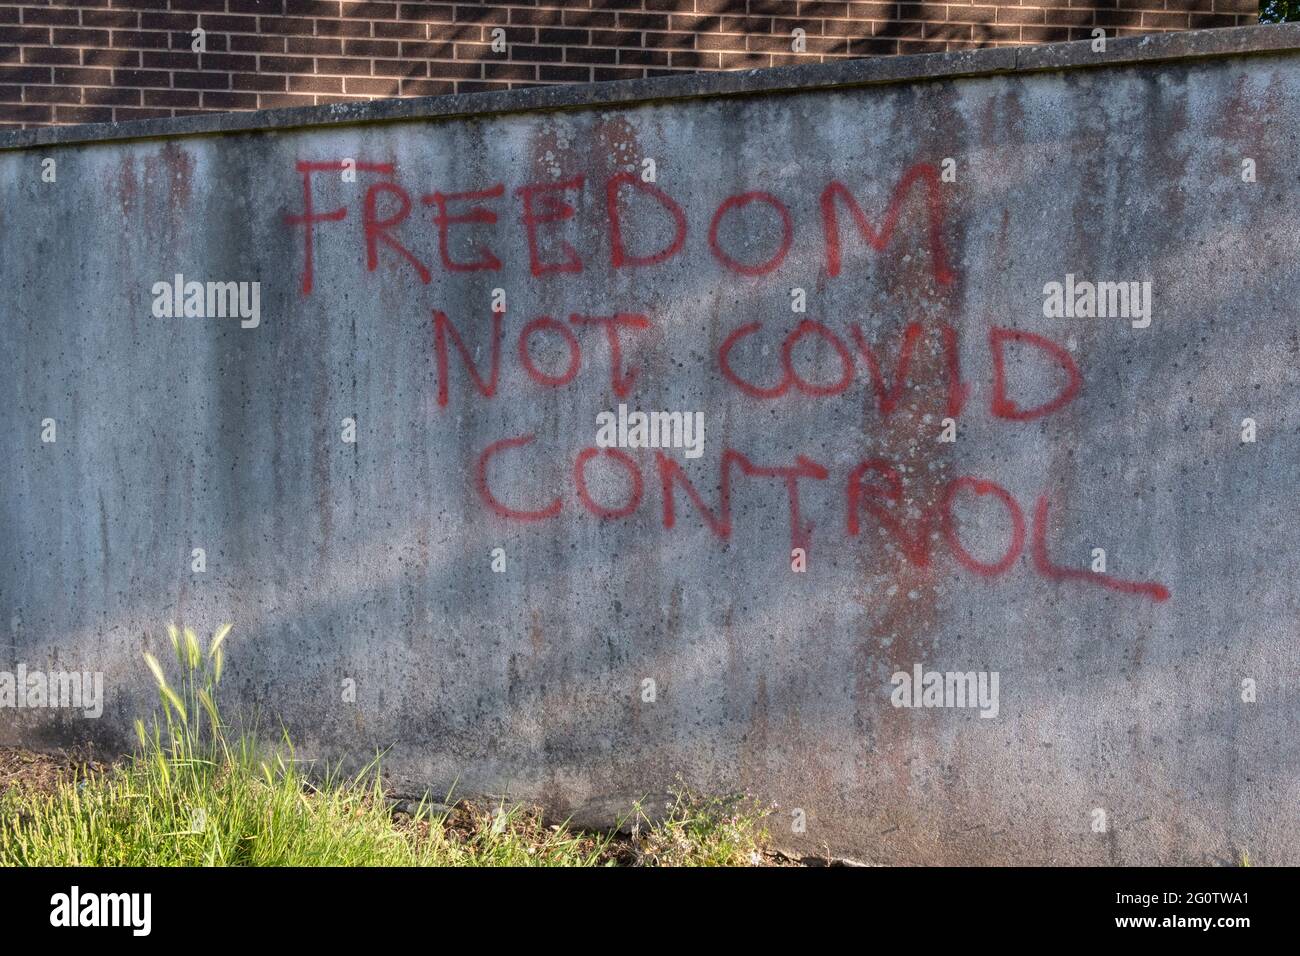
column 29, row 772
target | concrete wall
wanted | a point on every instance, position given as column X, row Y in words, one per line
column 371, row 561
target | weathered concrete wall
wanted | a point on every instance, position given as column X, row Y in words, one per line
column 372, row 561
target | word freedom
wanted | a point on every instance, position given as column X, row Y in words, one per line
column 651, row 430
column 634, row 220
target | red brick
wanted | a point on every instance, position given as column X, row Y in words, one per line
column 541, row 54
column 161, row 21
column 289, row 64
column 118, row 18
column 83, row 114
column 258, row 82
column 89, row 58
column 277, row 100
column 53, row 94
column 430, row 12
column 746, row 61
column 172, row 98
column 56, row 16
column 370, row 11
column 427, row 87
column 224, row 100
column 670, row 41
column 315, row 84
column 123, row 114
column 398, row 30
column 169, row 60
column 255, row 44
column 400, row 68
column 80, row 76
column 50, row 55
column 538, row 16
column 140, row 39
column 1020, row 15
column 29, row 113
column 618, row 73
column 509, row 71
column 110, row 57
column 473, row 86
column 105, row 96
column 346, row 67
column 308, row 8
column 314, row 46
column 371, row 86
column 342, row 28
column 385, row 48
column 24, row 35
column 443, row 70
column 182, row 79
column 564, row 74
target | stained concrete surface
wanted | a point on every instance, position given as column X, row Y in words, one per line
column 372, row 561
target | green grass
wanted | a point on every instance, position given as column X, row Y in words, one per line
column 701, row 831
column 197, row 794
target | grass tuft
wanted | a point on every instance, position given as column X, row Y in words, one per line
column 699, row 830
column 195, row 793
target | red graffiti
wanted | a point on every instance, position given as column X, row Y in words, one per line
column 888, row 397
column 915, row 545
column 739, row 202
column 541, row 207
column 546, row 323
column 810, row 327
column 922, row 173
column 815, row 359
column 310, row 217
column 634, row 474
column 475, row 215
column 982, row 487
column 883, row 499
column 497, row 508
column 670, row 473
column 442, row 327
column 377, row 230
column 1043, row 564
column 1003, row 406
column 724, row 364
column 619, row 379
column 546, row 207
column 619, row 256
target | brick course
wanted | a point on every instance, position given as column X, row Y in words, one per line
column 80, row 61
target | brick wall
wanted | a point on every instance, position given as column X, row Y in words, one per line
column 81, row 61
